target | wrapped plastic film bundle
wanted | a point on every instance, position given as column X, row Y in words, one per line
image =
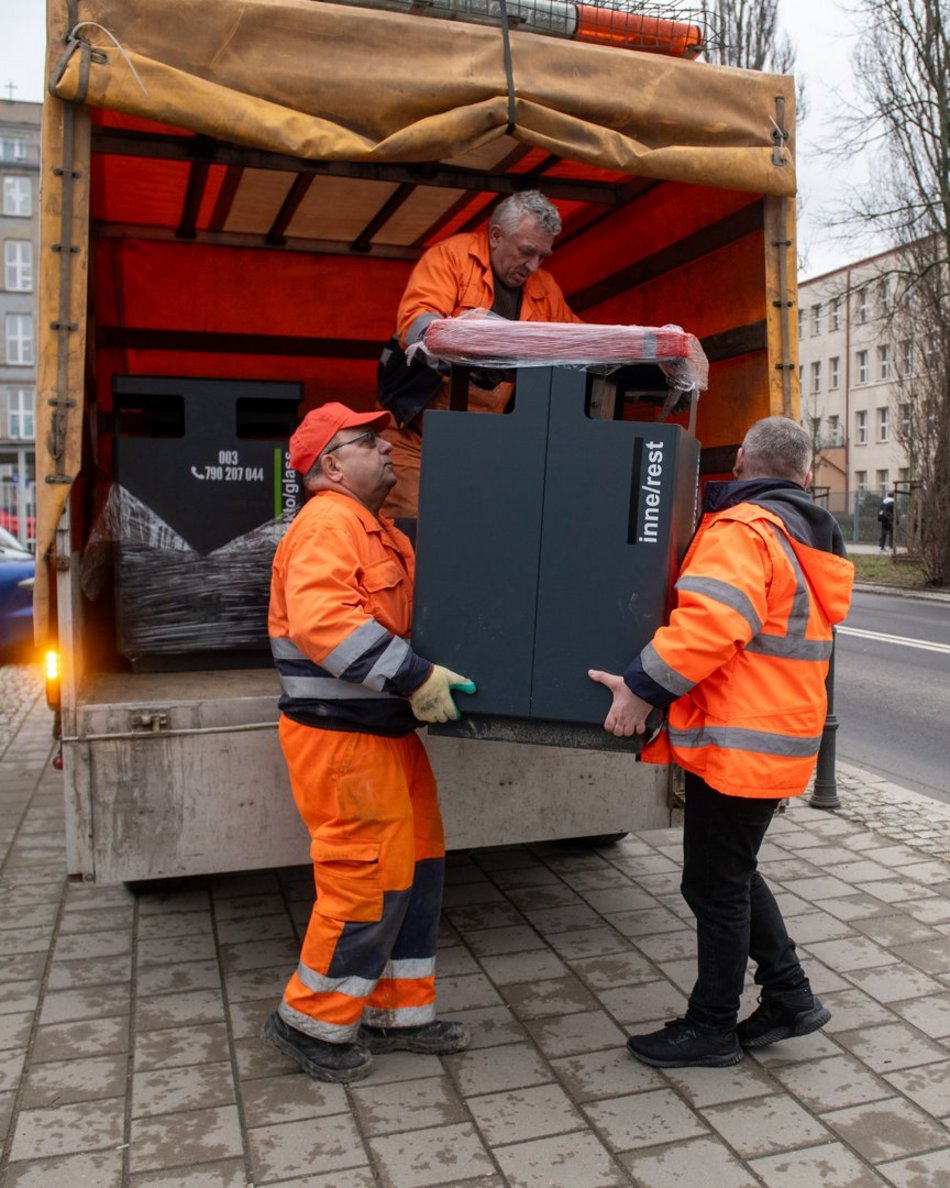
column 170, row 598
column 481, row 339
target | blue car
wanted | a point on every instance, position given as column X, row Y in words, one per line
column 17, row 568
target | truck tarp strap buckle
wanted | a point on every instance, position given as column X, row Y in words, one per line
column 779, row 133
column 89, row 54
column 509, row 72
column 85, row 58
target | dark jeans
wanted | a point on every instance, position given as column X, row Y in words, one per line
column 736, row 914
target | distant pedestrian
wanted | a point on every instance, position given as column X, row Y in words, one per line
column 885, row 517
column 741, row 666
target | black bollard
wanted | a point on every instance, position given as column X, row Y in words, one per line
column 825, row 794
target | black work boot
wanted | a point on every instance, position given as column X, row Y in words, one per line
column 681, row 1044
column 438, row 1038
column 319, row 1059
column 771, row 1022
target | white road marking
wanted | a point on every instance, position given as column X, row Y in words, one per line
column 905, row 641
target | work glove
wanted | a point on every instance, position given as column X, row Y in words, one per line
column 432, row 701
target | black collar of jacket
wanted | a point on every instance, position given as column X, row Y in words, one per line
column 805, row 522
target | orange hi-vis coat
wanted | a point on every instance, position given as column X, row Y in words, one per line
column 455, row 276
column 341, row 603
column 452, row 277
column 743, row 660
column 339, row 619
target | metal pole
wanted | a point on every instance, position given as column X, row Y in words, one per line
column 825, row 794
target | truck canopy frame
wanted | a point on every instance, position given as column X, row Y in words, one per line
column 212, row 164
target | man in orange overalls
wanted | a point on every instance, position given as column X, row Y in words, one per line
column 741, row 667
column 352, row 694
column 497, row 269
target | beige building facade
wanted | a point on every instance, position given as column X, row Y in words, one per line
column 850, row 359
column 19, row 242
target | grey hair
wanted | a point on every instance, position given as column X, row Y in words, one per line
column 511, row 210
column 777, row 447
column 313, row 476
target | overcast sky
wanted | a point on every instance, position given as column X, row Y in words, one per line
column 820, row 30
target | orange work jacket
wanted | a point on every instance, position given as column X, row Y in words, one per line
column 455, row 276
column 450, row 278
column 339, row 619
column 743, row 660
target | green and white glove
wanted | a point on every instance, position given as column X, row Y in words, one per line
column 432, row 701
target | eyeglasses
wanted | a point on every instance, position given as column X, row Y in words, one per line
column 369, row 437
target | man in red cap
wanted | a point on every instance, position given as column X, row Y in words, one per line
column 353, row 693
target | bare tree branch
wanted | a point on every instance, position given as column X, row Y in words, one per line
column 903, row 110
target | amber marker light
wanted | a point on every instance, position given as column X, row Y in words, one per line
column 51, row 670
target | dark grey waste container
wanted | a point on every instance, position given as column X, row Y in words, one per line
column 205, row 490
column 547, row 544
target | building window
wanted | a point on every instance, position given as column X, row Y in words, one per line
column 21, row 403
column 884, row 296
column 883, row 481
column 19, row 336
column 862, row 367
column 17, row 196
column 863, row 305
column 907, row 357
column 18, row 266
column 816, row 376
column 861, row 481
column 12, row 148
column 816, row 319
column 884, row 424
column 816, row 429
column 801, row 322
column 884, row 362
column 903, row 474
column 861, row 428
column 834, row 317
column 834, row 372
column 834, row 429
column 904, row 420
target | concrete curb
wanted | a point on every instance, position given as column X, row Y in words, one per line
column 904, row 592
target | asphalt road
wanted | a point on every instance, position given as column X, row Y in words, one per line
column 892, row 690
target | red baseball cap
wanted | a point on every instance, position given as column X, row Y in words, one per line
column 315, row 431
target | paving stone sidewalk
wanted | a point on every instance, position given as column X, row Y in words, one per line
column 129, row 1053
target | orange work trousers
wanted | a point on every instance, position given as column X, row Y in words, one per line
column 371, row 807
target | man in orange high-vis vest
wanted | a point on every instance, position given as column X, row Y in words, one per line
column 497, row 269
column 741, row 667
column 352, row 694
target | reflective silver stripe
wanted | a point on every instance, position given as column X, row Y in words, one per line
column 352, row 987
column 416, row 967
column 728, row 595
column 418, row 327
column 789, row 648
column 399, row 1016
column 658, row 670
column 356, row 644
column 793, row 645
column 327, row 689
column 388, row 663
column 798, row 619
column 334, row 1033
column 758, row 741
column 283, row 648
